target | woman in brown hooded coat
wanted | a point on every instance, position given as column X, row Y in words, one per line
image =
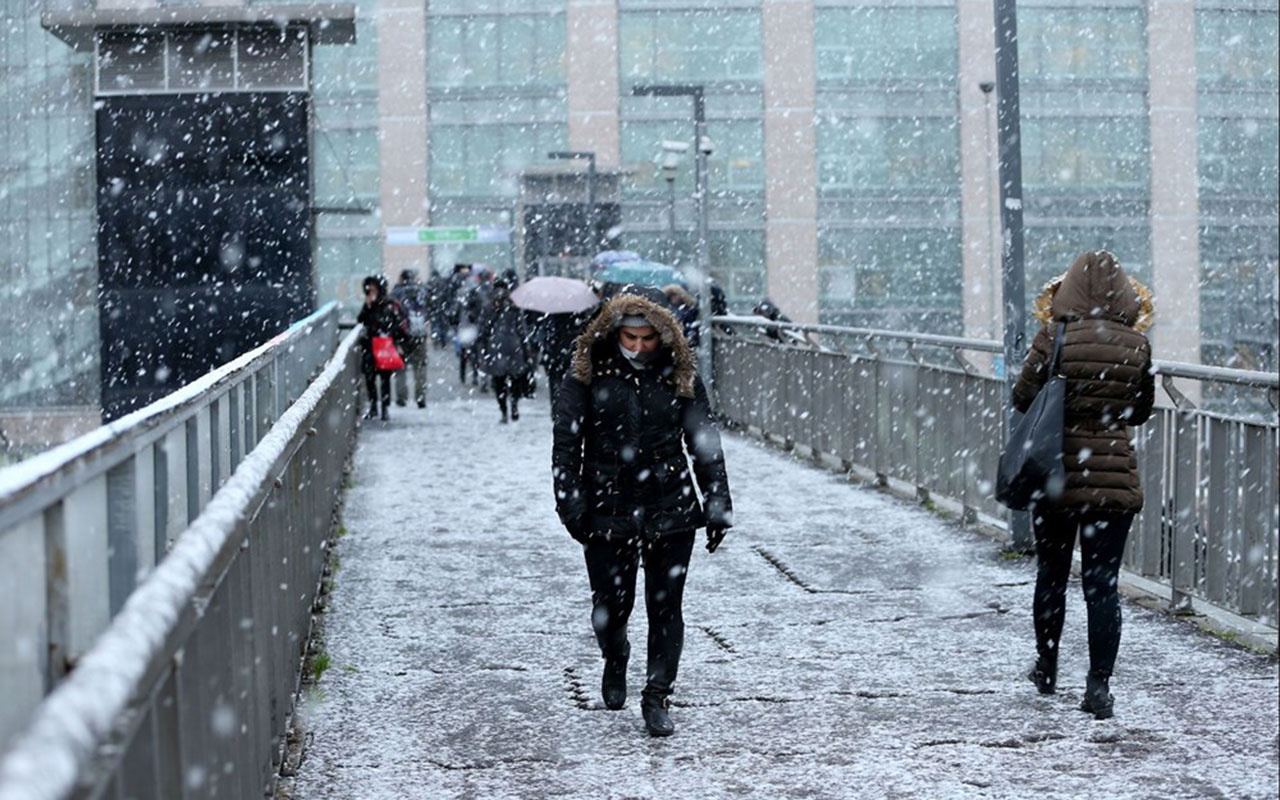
column 1106, row 360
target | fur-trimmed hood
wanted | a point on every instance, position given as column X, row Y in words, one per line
column 600, row 340
column 1096, row 286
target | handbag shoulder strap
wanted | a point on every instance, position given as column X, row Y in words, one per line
column 1055, row 364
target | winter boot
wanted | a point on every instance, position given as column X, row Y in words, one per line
column 653, row 705
column 372, row 413
column 515, row 411
column 613, row 681
column 385, row 416
column 1097, row 697
column 1044, row 675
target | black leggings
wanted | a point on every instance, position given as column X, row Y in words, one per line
column 372, row 377
column 504, row 387
column 611, row 566
column 1102, row 538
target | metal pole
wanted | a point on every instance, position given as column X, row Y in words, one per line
column 671, row 217
column 593, row 239
column 1014, row 283
column 704, row 255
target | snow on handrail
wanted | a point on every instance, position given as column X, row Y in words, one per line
column 45, row 760
column 1176, row 369
column 20, row 477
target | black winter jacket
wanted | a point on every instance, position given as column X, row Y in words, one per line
column 624, row 437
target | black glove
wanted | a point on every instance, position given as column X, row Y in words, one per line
column 715, row 535
column 576, row 531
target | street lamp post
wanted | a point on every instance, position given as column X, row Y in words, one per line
column 590, row 156
column 700, row 197
column 1009, row 133
column 671, row 153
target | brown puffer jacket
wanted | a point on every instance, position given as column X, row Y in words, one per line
column 1107, row 364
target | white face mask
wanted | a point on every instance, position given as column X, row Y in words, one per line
column 637, row 357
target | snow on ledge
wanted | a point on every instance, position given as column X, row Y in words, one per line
column 78, row 715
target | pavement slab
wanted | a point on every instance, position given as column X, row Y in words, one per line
column 843, row 643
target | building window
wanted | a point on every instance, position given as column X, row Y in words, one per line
column 690, row 45
column 883, row 44
column 496, row 50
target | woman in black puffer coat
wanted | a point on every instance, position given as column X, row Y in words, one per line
column 629, row 418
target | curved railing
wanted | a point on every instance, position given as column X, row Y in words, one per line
column 896, row 411
column 81, row 524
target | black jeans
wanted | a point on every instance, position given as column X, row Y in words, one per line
column 612, row 567
column 504, row 387
column 1102, row 538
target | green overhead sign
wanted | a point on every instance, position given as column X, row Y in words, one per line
column 470, row 234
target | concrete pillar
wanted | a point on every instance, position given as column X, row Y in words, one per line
column 979, row 170
column 593, row 80
column 402, row 126
column 1175, row 206
column 790, row 158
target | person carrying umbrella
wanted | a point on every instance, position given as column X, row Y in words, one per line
column 564, row 303
column 630, row 417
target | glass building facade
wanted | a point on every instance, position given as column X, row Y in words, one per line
column 496, row 94
column 888, row 153
column 48, row 260
column 888, row 137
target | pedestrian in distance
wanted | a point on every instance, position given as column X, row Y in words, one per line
column 685, row 307
column 506, row 350
column 630, row 417
column 413, row 298
column 1110, row 387
column 438, row 304
column 380, row 315
column 559, row 333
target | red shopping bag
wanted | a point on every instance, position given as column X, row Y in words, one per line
column 386, row 358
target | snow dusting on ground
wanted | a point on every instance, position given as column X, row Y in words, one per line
column 842, row 644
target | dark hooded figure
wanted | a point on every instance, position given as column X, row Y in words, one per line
column 505, row 349
column 1110, row 387
column 381, row 316
column 630, row 417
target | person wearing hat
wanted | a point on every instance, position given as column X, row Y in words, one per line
column 381, row 316
column 632, row 433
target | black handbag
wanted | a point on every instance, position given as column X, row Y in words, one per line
column 1031, row 465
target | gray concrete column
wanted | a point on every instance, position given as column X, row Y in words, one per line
column 790, row 158
column 402, row 125
column 979, row 170
column 593, row 80
column 1175, row 205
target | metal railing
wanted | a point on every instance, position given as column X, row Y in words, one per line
column 1211, row 518
column 82, row 524
column 188, row 692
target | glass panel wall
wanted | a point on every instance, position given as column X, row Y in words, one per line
column 888, row 166
column 1085, row 143
column 344, row 150
column 48, row 257
column 720, row 49
column 497, row 88
column 1239, row 145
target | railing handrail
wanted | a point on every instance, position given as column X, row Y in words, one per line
column 62, row 468
column 1176, row 369
column 80, row 713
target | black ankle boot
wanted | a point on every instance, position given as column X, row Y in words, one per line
column 613, row 682
column 1097, row 697
column 372, row 413
column 653, row 706
column 1044, row 675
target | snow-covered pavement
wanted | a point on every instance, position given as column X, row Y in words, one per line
column 842, row 644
